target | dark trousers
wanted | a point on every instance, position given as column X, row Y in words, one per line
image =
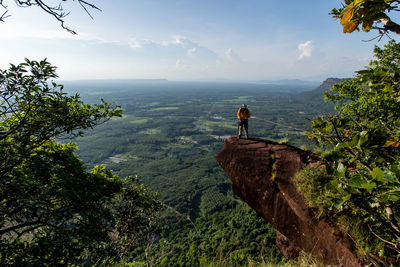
column 245, row 124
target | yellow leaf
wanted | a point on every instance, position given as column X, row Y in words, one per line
column 392, row 141
column 348, row 14
column 349, row 27
column 367, row 26
column 388, row 143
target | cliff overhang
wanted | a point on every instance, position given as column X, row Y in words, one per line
column 262, row 174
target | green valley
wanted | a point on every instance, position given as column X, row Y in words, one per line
column 168, row 137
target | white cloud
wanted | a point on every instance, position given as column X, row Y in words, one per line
column 177, row 39
column 177, row 48
column 134, row 43
column 306, row 49
column 191, row 51
column 231, row 56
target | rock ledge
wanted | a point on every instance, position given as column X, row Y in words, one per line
column 261, row 172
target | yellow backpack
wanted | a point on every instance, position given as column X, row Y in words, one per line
column 243, row 113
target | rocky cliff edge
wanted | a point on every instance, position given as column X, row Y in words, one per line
column 261, row 172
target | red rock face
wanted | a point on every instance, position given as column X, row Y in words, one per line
column 261, row 172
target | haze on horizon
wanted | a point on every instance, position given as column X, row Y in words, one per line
column 189, row 40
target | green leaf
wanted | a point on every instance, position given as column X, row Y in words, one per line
column 392, row 179
column 342, row 145
column 363, row 139
column 333, row 185
column 339, row 205
column 368, row 186
column 356, row 182
column 377, row 174
column 393, row 197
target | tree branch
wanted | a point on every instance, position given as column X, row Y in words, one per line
column 55, row 11
column 394, row 245
column 388, row 24
column 391, row 218
column 18, row 226
column 19, row 234
column 84, row 4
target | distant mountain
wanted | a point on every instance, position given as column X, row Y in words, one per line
column 114, row 81
column 316, row 95
column 290, row 82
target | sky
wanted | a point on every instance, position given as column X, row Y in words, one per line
column 189, row 40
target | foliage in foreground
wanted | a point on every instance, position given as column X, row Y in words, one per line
column 52, row 210
column 354, row 13
column 363, row 164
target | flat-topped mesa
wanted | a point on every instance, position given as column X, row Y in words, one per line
column 261, row 172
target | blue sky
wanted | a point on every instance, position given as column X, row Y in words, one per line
column 189, row 40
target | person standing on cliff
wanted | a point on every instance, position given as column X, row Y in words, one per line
column 243, row 115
